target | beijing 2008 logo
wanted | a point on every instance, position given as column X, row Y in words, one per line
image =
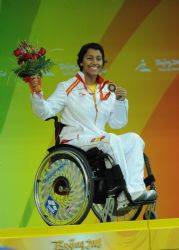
column 73, row 244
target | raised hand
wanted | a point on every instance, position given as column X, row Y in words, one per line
column 121, row 93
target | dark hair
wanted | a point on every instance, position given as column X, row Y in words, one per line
column 84, row 50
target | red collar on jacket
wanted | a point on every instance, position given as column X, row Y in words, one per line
column 100, row 81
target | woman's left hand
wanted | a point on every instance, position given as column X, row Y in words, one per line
column 121, row 93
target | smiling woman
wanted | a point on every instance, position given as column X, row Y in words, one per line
column 153, row 94
column 85, row 127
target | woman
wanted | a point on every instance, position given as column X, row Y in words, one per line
column 86, row 105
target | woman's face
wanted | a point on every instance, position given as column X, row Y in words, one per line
column 92, row 62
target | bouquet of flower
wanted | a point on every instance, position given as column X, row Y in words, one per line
column 31, row 61
column 32, row 64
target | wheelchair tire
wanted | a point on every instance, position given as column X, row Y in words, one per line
column 124, row 214
column 64, row 188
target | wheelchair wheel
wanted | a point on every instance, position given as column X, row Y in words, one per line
column 124, row 214
column 64, row 188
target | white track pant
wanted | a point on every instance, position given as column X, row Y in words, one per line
column 127, row 151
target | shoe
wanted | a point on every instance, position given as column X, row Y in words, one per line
column 122, row 204
column 148, row 195
column 142, row 197
column 151, row 195
column 122, row 201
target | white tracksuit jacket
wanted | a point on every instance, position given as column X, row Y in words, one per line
column 86, row 115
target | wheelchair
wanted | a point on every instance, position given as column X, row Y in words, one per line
column 70, row 182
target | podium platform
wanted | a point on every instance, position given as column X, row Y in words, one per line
column 130, row 235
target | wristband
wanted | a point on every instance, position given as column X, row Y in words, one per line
column 35, row 88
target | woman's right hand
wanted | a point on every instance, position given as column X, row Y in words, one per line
column 34, row 83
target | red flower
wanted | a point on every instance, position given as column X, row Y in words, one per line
column 27, row 56
column 34, row 56
column 17, row 52
column 42, row 51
